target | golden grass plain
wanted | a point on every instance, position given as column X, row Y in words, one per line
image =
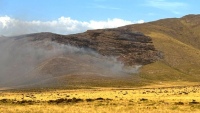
column 155, row 99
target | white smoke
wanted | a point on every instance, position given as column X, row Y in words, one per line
column 63, row 25
column 24, row 62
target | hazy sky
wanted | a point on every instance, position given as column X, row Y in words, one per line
column 72, row 16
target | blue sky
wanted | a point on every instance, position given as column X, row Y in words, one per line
column 128, row 11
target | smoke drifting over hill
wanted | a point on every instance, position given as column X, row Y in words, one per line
column 24, row 61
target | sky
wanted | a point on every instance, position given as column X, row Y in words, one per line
column 74, row 16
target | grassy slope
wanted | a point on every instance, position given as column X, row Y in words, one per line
column 179, row 39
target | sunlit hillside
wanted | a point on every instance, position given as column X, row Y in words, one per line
column 179, row 40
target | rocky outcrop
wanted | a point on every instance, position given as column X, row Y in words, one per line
column 129, row 47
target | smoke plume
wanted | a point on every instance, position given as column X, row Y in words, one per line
column 24, row 61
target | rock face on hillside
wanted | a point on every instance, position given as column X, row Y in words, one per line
column 129, row 47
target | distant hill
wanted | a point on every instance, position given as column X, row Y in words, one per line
column 167, row 50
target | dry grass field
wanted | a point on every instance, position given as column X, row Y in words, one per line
column 156, row 99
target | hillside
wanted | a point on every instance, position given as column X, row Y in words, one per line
column 166, row 50
column 93, row 58
column 179, row 40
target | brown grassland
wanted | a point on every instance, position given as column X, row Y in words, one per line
column 152, row 99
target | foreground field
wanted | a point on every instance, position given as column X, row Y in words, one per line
column 102, row 100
